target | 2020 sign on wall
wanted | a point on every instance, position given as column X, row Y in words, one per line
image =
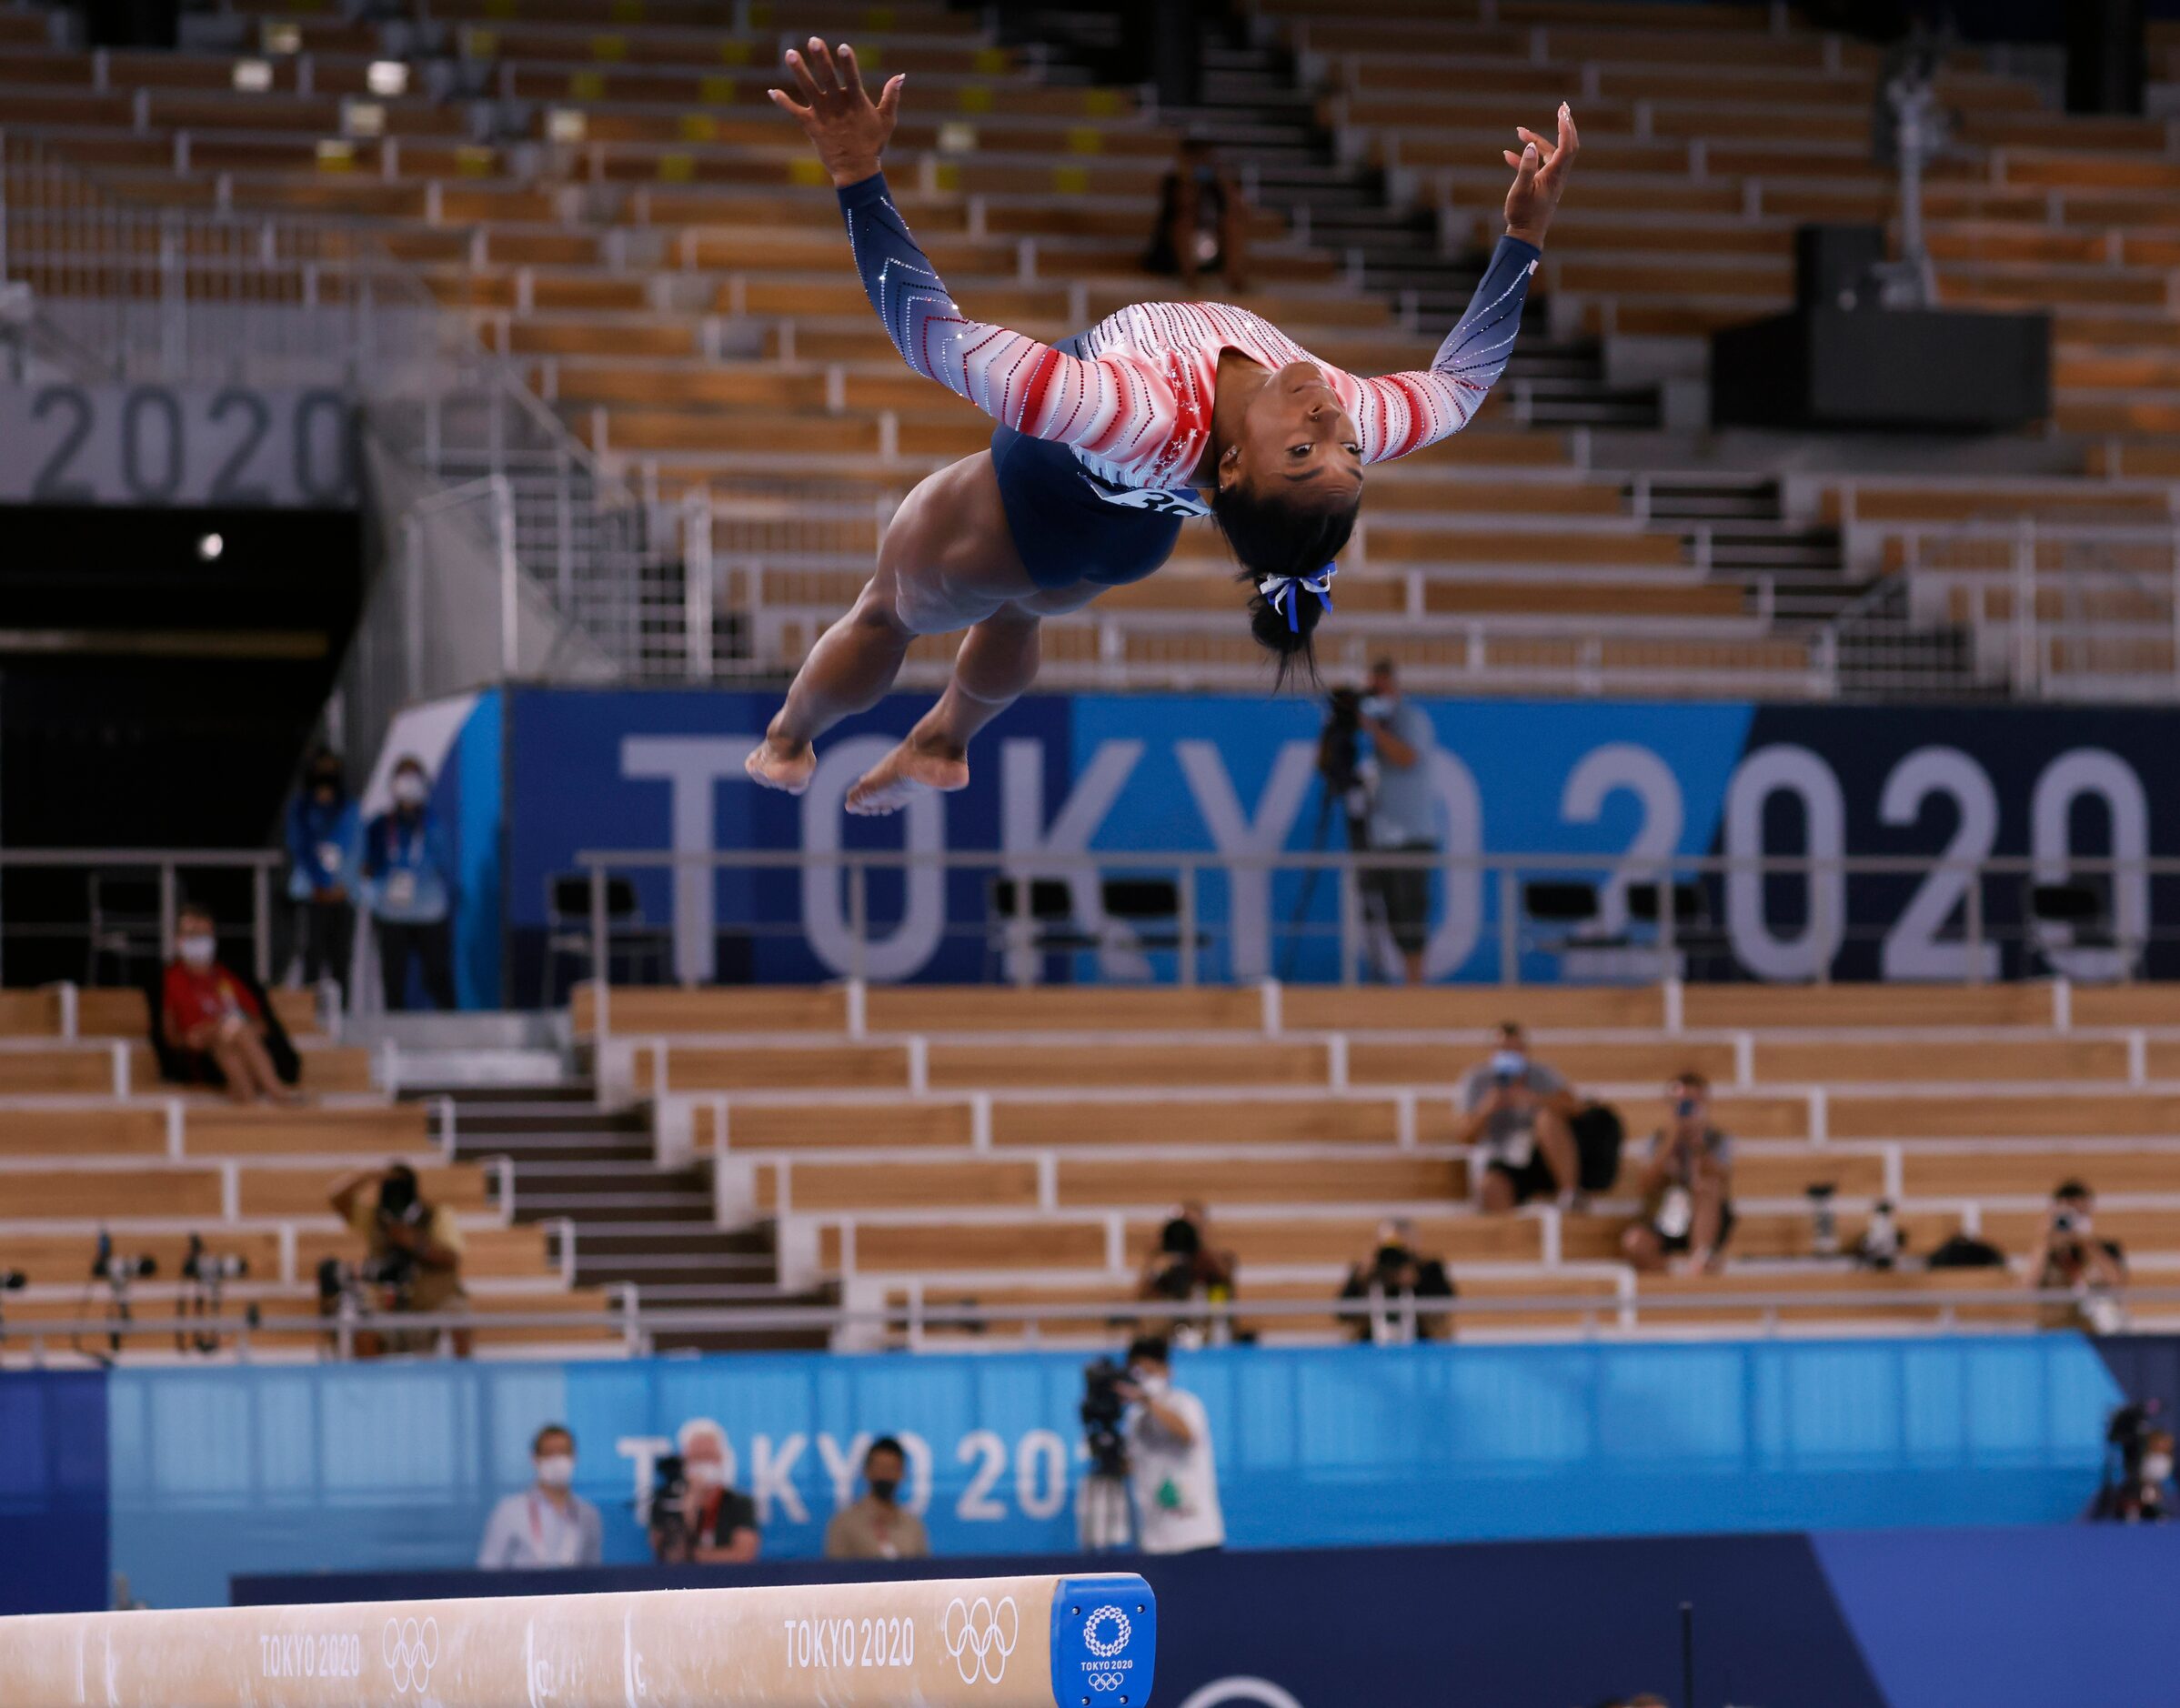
column 1762, row 799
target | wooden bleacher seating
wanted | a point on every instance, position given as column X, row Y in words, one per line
column 90, row 1140
column 1049, row 1135
column 650, row 200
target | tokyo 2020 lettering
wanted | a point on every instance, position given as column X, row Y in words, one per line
column 837, row 1645
column 326, row 1654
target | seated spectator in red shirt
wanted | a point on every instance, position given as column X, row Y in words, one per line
column 214, row 1020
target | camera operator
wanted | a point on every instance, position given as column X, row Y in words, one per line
column 1171, row 1470
column 703, row 1520
column 416, row 1251
column 1185, row 1265
column 1515, row 1111
column 1687, row 1187
column 2142, row 1493
column 549, row 1524
column 1395, row 1280
column 1404, row 811
column 878, row 1526
column 2068, row 1258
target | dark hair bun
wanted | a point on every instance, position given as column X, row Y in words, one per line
column 1278, row 537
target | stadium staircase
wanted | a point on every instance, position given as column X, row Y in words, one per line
column 92, row 1144
column 589, row 1176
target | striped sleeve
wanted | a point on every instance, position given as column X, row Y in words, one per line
column 1400, row 413
column 1116, row 407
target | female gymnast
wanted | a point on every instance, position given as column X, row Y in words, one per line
column 1105, row 443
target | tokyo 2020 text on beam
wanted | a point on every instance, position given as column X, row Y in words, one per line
column 998, row 1642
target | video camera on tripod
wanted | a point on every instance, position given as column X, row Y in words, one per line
column 119, row 1269
column 208, row 1273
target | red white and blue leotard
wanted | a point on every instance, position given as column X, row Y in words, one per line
column 1134, row 406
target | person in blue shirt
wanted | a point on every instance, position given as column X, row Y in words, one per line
column 324, row 844
column 409, row 884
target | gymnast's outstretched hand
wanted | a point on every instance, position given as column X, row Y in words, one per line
column 848, row 128
column 1539, row 175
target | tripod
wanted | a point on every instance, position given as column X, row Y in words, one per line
column 1358, row 840
column 1102, row 1523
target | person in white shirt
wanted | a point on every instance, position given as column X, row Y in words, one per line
column 548, row 1523
column 1170, row 1470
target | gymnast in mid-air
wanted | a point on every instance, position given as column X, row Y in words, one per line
column 1106, row 443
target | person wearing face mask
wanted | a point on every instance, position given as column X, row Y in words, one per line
column 2071, row 1257
column 2145, row 1495
column 323, row 842
column 878, row 1526
column 549, row 1524
column 1171, row 1472
column 716, row 1524
column 213, row 1021
column 410, row 877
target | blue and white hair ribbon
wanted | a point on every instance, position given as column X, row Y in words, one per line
column 1279, row 593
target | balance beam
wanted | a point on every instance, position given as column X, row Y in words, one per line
column 995, row 1642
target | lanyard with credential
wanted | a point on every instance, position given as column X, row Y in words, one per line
column 569, row 1536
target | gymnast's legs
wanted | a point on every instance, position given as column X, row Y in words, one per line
column 948, row 562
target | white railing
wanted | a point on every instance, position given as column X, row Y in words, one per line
column 637, row 1328
column 1667, row 919
column 139, row 932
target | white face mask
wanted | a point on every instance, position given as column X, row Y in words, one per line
column 2156, row 1467
column 409, row 790
column 195, row 951
column 557, row 1470
column 1150, row 1383
column 706, row 1473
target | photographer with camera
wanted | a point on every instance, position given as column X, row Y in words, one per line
column 1185, row 1265
column 549, row 1526
column 1686, row 1185
column 1394, row 1280
column 1169, row 1466
column 878, row 1526
column 698, row 1517
column 1404, row 811
column 414, row 1261
column 1515, row 1111
column 2068, row 1258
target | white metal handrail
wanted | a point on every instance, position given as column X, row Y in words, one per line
column 639, row 1326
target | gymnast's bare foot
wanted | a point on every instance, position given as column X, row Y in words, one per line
column 782, row 765
column 915, row 764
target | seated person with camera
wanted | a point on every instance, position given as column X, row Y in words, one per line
column 1687, row 1187
column 697, row 1518
column 1515, row 1111
column 1185, row 1265
column 1395, row 1280
column 549, row 1524
column 414, row 1261
column 2068, row 1258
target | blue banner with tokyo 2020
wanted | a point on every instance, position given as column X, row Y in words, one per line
column 1104, row 1641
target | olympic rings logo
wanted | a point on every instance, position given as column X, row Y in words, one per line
column 1107, row 1681
column 1105, row 1648
column 411, row 1650
column 980, row 1636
